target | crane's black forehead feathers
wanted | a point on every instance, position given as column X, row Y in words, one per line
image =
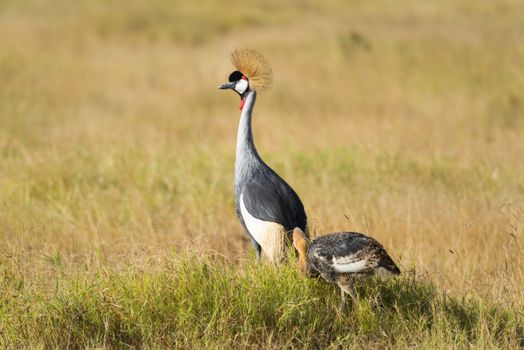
column 235, row 76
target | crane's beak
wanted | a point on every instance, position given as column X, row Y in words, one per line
column 230, row 85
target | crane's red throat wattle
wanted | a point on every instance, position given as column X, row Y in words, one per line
column 242, row 102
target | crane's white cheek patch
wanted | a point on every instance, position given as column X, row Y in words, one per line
column 268, row 234
column 356, row 266
column 241, row 86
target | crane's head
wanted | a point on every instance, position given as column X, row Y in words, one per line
column 237, row 82
column 301, row 244
column 253, row 73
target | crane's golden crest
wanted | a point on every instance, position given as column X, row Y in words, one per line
column 255, row 67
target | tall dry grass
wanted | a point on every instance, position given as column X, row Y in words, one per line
column 403, row 120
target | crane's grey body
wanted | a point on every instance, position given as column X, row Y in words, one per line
column 268, row 208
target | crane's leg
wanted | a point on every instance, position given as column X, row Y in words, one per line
column 258, row 249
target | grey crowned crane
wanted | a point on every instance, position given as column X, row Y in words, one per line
column 268, row 208
column 341, row 258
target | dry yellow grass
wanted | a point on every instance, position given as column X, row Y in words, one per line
column 405, row 117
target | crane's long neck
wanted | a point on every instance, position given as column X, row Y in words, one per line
column 246, row 153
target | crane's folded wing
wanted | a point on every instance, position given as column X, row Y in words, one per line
column 274, row 201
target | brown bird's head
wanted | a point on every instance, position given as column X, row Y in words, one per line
column 301, row 244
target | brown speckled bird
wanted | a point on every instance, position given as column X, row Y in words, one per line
column 341, row 258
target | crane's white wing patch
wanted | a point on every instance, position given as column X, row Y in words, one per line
column 268, row 234
column 356, row 266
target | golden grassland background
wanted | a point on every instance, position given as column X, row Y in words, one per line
column 401, row 119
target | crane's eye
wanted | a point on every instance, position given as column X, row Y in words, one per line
column 235, row 76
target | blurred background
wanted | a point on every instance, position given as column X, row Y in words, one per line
column 401, row 119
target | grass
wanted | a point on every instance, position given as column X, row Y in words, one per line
column 401, row 120
column 203, row 302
